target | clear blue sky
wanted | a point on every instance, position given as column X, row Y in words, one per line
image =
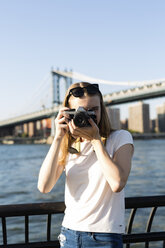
column 116, row 40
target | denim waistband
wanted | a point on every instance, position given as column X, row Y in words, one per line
column 88, row 232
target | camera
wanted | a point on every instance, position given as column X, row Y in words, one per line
column 81, row 116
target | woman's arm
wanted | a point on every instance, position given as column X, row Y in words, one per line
column 50, row 170
column 116, row 170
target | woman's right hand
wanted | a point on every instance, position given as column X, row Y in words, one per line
column 61, row 123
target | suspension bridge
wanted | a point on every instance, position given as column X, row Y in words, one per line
column 138, row 90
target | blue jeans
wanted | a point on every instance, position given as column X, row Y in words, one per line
column 76, row 239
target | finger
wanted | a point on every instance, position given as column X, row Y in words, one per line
column 59, row 116
column 76, row 129
column 62, row 112
column 70, row 126
column 91, row 121
column 73, row 125
column 63, row 120
column 73, row 129
column 75, row 136
column 65, row 113
column 65, row 126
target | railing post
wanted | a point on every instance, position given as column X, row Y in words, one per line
column 49, row 220
column 149, row 223
column 4, row 231
column 130, row 223
column 26, row 229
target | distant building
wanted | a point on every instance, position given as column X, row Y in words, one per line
column 114, row 116
column 124, row 124
column 139, row 119
column 160, row 121
column 153, row 126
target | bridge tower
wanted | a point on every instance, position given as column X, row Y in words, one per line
column 56, row 85
column 56, row 91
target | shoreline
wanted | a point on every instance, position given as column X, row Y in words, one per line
column 148, row 136
column 48, row 141
column 21, row 141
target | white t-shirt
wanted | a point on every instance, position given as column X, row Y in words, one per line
column 91, row 205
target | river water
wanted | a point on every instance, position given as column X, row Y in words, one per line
column 19, row 168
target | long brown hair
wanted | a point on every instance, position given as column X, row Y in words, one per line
column 104, row 124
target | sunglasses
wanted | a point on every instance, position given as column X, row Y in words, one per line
column 91, row 89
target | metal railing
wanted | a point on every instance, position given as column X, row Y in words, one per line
column 134, row 203
column 49, row 209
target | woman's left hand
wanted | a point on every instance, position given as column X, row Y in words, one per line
column 89, row 133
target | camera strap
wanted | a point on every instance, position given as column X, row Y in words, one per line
column 75, row 148
column 77, row 145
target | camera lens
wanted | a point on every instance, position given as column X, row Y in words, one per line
column 81, row 120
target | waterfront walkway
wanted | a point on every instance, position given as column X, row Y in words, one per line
column 40, row 140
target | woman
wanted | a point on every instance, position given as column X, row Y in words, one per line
column 97, row 163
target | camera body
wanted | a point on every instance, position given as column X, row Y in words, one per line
column 81, row 116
